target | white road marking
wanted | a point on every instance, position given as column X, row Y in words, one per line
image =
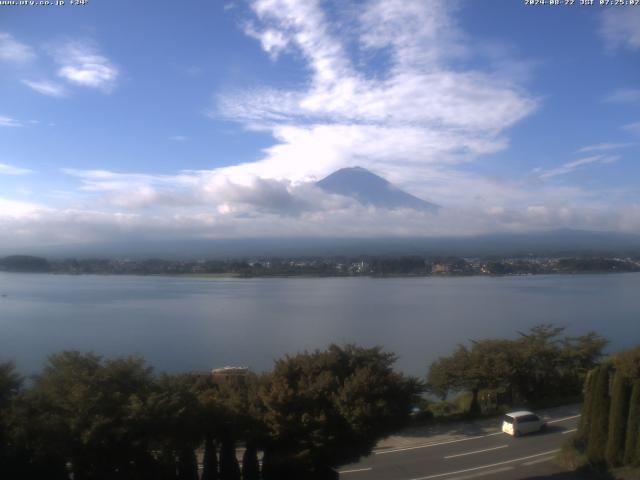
column 550, row 452
column 427, row 445
column 483, row 474
column 563, row 419
column 569, row 431
column 540, row 460
column 355, row 470
column 477, row 451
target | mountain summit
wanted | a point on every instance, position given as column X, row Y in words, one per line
column 371, row 189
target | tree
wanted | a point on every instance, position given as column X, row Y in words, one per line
column 628, row 363
column 618, row 420
column 10, row 384
column 250, row 465
column 79, row 411
column 584, row 425
column 487, row 364
column 539, row 364
column 171, row 417
column 610, row 423
column 187, row 464
column 210, row 460
column 599, row 423
column 632, row 442
column 326, row 408
column 229, row 467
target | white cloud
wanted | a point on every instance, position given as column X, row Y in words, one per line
column 207, row 188
column 9, row 122
column 624, row 95
column 178, row 138
column 23, row 224
column 272, row 41
column 84, row 66
column 11, row 170
column 602, row 147
column 418, row 112
column 620, row 27
column 570, row 167
column 209, row 204
column 633, row 128
column 46, row 87
column 12, row 50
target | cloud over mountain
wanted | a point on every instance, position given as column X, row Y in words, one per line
column 402, row 118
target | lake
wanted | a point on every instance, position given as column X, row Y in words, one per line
column 185, row 324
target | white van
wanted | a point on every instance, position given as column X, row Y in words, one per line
column 521, row 423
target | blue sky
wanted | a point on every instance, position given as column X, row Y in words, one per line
column 209, row 119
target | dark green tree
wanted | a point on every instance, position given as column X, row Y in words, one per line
column 540, row 364
column 171, row 417
column 269, row 469
column 632, row 441
column 584, row 425
column 187, row 464
column 80, row 409
column 229, row 467
column 326, row 408
column 210, row 460
column 618, row 419
column 166, row 465
column 627, row 364
column 599, row 423
column 486, row 364
column 250, row 465
column 10, row 384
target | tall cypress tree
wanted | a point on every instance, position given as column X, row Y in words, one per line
column 167, row 465
column 250, row 466
column 585, row 419
column 210, row 461
column 229, row 468
column 268, row 471
column 636, row 460
column 632, row 446
column 618, row 420
column 599, row 418
column 187, row 464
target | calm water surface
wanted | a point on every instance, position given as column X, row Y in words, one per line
column 182, row 324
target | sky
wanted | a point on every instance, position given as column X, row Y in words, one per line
column 213, row 119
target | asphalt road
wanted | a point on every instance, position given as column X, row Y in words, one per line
column 494, row 455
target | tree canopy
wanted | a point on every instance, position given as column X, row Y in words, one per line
column 540, row 363
column 101, row 418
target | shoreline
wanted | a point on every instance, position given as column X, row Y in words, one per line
column 231, row 275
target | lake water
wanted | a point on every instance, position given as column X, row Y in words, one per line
column 183, row 324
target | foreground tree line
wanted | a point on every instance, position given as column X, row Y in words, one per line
column 115, row 419
column 609, row 431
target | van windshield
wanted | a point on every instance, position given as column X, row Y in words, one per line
column 508, row 419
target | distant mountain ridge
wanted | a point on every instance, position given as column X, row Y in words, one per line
column 370, row 189
column 560, row 242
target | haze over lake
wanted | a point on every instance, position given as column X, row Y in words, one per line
column 184, row 324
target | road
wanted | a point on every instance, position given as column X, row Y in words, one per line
column 493, row 455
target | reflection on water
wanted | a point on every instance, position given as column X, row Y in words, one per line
column 194, row 324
